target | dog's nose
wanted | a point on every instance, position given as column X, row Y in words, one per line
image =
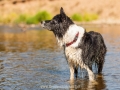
column 41, row 22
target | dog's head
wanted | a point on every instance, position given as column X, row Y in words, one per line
column 59, row 24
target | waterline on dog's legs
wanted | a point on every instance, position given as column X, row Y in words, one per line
column 92, row 78
column 82, row 72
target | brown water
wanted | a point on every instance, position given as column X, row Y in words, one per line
column 31, row 60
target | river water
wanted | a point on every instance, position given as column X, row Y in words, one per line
column 32, row 60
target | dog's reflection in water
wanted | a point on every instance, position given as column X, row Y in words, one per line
column 85, row 84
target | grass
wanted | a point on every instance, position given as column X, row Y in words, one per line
column 21, row 18
column 25, row 18
column 77, row 17
column 8, row 18
column 85, row 17
column 35, row 19
column 40, row 16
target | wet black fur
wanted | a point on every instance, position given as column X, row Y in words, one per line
column 93, row 49
column 92, row 44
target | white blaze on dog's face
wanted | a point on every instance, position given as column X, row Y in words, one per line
column 63, row 28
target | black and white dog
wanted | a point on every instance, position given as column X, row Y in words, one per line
column 81, row 48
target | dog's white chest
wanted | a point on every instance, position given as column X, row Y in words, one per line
column 73, row 55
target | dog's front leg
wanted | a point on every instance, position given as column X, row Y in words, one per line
column 71, row 72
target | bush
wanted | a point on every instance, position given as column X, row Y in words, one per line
column 77, row 17
column 84, row 17
column 21, row 19
column 90, row 17
column 9, row 18
column 29, row 19
column 38, row 17
column 43, row 16
column 32, row 20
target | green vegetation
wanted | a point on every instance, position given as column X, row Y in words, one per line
column 77, row 17
column 42, row 15
column 84, row 17
column 25, row 18
column 33, row 19
column 21, row 18
column 9, row 18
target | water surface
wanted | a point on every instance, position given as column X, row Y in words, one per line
column 31, row 60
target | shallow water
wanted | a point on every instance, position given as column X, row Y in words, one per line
column 31, row 60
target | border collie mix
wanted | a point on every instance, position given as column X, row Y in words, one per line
column 81, row 48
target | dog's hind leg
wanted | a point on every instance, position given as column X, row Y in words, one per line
column 76, row 72
column 100, row 66
column 90, row 73
column 100, row 63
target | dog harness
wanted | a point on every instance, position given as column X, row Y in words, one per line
column 74, row 40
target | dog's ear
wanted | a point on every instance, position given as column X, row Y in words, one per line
column 62, row 13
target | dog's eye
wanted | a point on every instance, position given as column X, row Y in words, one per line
column 54, row 22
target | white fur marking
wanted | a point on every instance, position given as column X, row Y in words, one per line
column 60, row 42
column 70, row 35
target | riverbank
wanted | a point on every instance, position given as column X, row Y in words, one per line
column 107, row 11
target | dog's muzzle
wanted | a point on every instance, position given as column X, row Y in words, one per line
column 42, row 24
